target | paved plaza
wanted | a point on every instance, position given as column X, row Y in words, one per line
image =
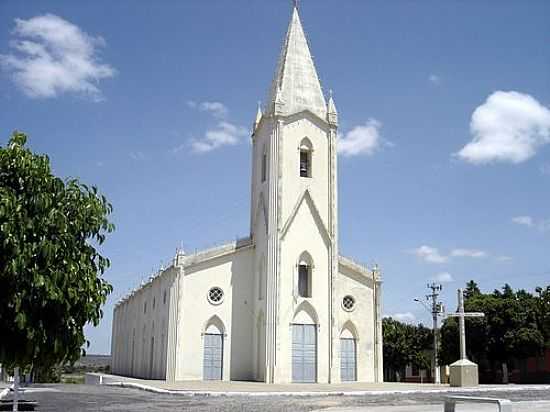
column 88, row 398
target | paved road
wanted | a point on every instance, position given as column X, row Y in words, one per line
column 88, row 398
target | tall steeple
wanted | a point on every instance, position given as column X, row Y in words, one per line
column 296, row 86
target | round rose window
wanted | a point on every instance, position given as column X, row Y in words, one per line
column 348, row 303
column 215, row 295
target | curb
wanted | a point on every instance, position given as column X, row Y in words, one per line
column 191, row 393
column 4, row 393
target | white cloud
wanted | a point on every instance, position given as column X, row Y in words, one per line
column 364, row 139
column 137, row 156
column 216, row 109
column 53, row 56
column 508, row 127
column 473, row 253
column 406, row 317
column 429, row 254
column 223, row 134
column 524, row 220
column 528, row 221
column 443, row 277
column 434, row 79
column 504, row 258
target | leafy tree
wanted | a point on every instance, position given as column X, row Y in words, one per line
column 50, row 266
column 471, row 290
column 405, row 345
column 513, row 326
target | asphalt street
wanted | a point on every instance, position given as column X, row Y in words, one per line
column 88, row 398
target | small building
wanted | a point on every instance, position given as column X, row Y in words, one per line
column 281, row 305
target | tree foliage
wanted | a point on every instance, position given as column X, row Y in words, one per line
column 50, row 267
column 406, row 344
column 516, row 325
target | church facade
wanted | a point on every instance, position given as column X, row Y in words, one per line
column 281, row 305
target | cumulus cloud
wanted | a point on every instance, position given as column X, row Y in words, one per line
column 52, row 56
column 508, row 127
column 443, row 277
column 434, row 79
column 137, row 156
column 406, row 317
column 223, row 134
column 523, row 220
column 216, row 109
column 528, row 221
column 473, row 253
column 361, row 140
column 429, row 254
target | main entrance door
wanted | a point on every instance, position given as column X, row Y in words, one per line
column 304, row 353
column 348, row 360
column 213, row 356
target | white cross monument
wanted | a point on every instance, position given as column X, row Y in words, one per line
column 463, row 371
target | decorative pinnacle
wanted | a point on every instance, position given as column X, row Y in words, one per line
column 295, row 3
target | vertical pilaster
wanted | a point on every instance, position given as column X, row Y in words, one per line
column 378, row 344
column 173, row 323
column 333, row 227
column 272, row 251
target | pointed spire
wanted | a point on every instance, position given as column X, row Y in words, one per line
column 296, row 86
column 259, row 115
column 332, row 113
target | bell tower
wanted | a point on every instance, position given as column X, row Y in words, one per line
column 294, row 211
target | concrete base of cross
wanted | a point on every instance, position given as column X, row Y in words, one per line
column 463, row 373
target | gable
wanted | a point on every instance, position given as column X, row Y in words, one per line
column 306, row 201
column 261, row 213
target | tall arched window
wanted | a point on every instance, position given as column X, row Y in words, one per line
column 306, row 150
column 264, row 164
column 305, row 265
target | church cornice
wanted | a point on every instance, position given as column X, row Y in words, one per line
column 357, row 267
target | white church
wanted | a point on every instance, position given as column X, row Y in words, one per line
column 281, row 305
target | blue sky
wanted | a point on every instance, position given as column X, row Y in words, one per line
column 444, row 107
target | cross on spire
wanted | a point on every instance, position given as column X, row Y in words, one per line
column 461, row 315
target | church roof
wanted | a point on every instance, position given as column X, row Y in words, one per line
column 296, row 84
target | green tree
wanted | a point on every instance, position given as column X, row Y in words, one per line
column 50, row 267
column 405, row 345
column 511, row 328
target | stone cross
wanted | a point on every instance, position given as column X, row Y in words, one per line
column 461, row 315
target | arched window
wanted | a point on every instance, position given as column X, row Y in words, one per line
column 306, row 149
column 264, row 165
column 304, row 275
column 261, row 280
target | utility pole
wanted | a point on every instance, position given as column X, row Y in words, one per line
column 436, row 310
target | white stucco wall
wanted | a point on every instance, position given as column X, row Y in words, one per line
column 233, row 273
column 303, row 235
column 305, row 125
column 140, row 334
column 359, row 321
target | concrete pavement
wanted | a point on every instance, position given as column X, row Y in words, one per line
column 524, row 406
column 259, row 388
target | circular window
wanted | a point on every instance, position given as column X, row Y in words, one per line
column 348, row 303
column 215, row 295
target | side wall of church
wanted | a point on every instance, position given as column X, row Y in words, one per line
column 232, row 317
column 358, row 323
column 141, row 329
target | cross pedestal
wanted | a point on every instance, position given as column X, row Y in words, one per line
column 463, row 372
